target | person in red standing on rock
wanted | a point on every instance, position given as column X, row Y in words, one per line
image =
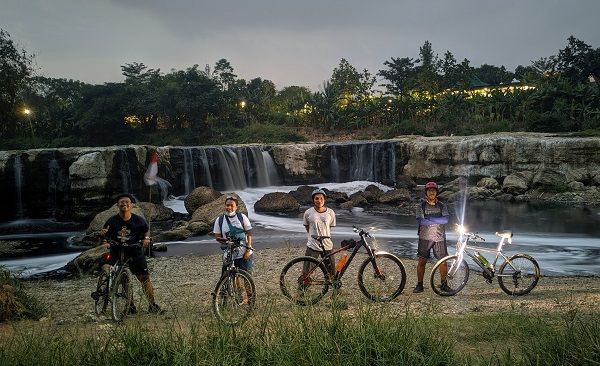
column 432, row 215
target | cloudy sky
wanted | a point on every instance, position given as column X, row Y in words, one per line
column 289, row 42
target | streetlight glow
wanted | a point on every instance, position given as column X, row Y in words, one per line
column 26, row 111
column 243, row 104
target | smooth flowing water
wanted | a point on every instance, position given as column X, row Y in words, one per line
column 565, row 241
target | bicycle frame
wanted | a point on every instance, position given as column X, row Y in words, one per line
column 361, row 243
column 463, row 248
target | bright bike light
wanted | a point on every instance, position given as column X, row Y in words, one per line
column 461, row 229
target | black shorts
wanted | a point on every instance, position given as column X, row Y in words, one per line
column 328, row 262
column 425, row 246
column 137, row 262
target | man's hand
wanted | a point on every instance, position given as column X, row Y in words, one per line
column 146, row 242
column 105, row 243
column 247, row 254
column 104, row 230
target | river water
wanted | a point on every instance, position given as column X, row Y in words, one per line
column 564, row 240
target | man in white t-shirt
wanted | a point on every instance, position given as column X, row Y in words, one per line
column 318, row 221
column 236, row 225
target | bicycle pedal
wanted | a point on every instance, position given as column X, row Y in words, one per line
column 95, row 295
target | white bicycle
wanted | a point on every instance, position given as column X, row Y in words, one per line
column 517, row 275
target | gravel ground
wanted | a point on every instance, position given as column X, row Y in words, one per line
column 184, row 285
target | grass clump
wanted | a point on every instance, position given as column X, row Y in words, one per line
column 15, row 302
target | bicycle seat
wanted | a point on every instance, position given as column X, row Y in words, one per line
column 506, row 234
column 320, row 238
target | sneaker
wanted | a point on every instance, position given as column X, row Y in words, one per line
column 132, row 310
column 418, row 288
column 445, row 288
column 155, row 309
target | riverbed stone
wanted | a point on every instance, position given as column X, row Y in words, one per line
column 199, row 228
column 403, row 181
column 395, row 196
column 576, row 186
column 549, row 178
column 209, row 212
column 489, row 183
column 88, row 261
column 199, row 197
column 277, row 202
column 517, row 183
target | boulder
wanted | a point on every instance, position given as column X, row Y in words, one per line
column 199, row 228
column 277, row 202
column 455, row 185
column 180, row 233
column 156, row 212
column 373, row 188
column 395, row 196
column 445, row 195
column 199, row 197
column 403, row 181
column 303, row 194
column 489, row 183
column 479, row 193
column 88, row 172
column 88, row 261
column 337, row 197
column 576, row 186
column 506, row 197
column 209, row 212
column 348, row 205
column 517, row 183
column 358, row 199
column 549, row 178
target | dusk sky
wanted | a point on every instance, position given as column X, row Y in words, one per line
column 288, row 42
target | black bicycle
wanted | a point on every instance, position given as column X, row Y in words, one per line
column 235, row 294
column 114, row 284
column 381, row 276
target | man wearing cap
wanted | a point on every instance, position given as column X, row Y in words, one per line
column 432, row 215
column 318, row 221
column 131, row 229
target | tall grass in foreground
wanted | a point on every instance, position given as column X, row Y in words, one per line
column 15, row 301
column 316, row 336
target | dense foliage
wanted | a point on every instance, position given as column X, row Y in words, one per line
column 428, row 95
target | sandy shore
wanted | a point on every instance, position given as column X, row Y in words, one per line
column 184, row 285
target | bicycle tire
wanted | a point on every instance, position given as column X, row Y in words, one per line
column 234, row 303
column 101, row 302
column 456, row 279
column 122, row 295
column 301, row 289
column 392, row 276
column 517, row 277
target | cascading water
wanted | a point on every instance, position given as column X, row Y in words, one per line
column 125, row 171
column 372, row 161
column 189, row 179
column 272, row 177
column 18, row 172
column 53, row 184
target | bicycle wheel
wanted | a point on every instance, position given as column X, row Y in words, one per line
column 122, row 295
column 457, row 277
column 234, row 297
column 101, row 294
column 384, row 283
column 304, row 280
column 519, row 275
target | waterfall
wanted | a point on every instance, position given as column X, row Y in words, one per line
column 18, row 172
column 189, row 179
column 271, row 169
column 125, row 171
column 372, row 161
column 206, row 167
column 53, row 184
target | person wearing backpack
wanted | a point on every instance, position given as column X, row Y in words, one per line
column 237, row 226
column 432, row 215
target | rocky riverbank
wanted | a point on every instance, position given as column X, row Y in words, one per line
column 184, row 286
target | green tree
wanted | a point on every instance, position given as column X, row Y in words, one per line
column 16, row 68
column 493, row 75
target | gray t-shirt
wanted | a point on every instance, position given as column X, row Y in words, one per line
column 319, row 224
column 435, row 232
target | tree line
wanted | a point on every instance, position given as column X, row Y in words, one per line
column 428, row 94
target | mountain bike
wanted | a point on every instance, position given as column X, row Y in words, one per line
column 114, row 284
column 517, row 275
column 381, row 276
column 235, row 293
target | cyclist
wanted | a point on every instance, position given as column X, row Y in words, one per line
column 318, row 221
column 129, row 228
column 432, row 215
column 237, row 226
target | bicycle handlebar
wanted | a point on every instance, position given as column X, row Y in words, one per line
column 115, row 243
